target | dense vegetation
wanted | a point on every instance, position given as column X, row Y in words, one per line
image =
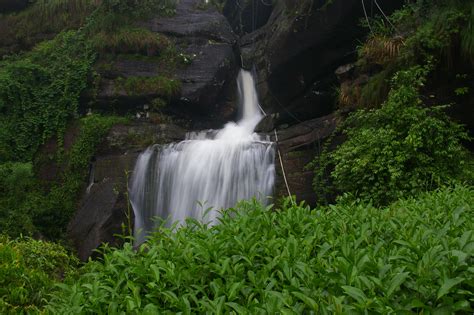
column 413, row 256
column 401, row 148
column 400, row 142
column 39, row 94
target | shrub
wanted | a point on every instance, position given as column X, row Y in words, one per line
column 28, row 272
column 42, row 19
column 414, row 256
column 399, row 149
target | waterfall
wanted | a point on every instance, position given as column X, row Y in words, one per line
column 208, row 171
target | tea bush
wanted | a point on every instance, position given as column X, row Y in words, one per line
column 415, row 256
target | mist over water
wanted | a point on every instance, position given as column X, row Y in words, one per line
column 210, row 169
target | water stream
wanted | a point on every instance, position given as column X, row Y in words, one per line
column 210, row 169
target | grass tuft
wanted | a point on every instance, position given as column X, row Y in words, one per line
column 131, row 41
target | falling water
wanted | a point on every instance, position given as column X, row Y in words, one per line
column 211, row 169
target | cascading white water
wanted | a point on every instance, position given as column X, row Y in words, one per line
column 210, row 169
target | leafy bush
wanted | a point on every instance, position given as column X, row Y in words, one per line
column 42, row 19
column 399, row 149
column 414, row 256
column 28, row 272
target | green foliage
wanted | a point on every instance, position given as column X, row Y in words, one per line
column 49, row 17
column 15, row 179
column 39, row 96
column 115, row 14
column 461, row 91
column 376, row 90
column 39, row 93
column 415, row 256
column 399, row 149
column 28, row 272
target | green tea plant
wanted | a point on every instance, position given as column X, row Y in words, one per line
column 415, row 256
column 29, row 270
column 399, row 149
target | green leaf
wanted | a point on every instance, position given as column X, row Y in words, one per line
column 447, row 285
column 238, row 308
column 355, row 293
column 396, row 281
column 307, row 300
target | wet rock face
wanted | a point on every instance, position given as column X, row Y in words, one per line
column 298, row 145
column 205, row 38
column 104, row 209
column 12, row 5
column 246, row 16
column 298, row 50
